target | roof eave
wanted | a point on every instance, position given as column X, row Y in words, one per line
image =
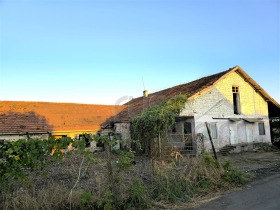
column 257, row 87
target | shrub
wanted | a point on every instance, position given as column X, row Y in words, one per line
column 233, row 175
column 138, row 195
column 86, row 199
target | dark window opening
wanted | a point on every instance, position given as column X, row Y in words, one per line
column 187, row 128
column 236, row 100
column 235, row 89
column 261, row 128
column 84, row 137
column 173, row 128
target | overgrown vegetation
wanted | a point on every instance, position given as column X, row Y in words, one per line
column 275, row 131
column 38, row 174
column 139, row 184
column 19, row 158
column 194, row 177
column 156, row 120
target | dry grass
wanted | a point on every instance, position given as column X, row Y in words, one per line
column 178, row 180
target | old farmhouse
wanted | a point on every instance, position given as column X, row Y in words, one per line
column 235, row 107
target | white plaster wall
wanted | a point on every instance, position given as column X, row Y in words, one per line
column 124, row 130
column 213, row 104
column 19, row 137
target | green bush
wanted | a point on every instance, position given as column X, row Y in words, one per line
column 125, row 159
column 169, row 186
column 233, row 175
column 138, row 195
column 86, row 199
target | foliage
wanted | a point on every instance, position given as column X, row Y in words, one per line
column 125, row 159
column 232, row 175
column 275, row 131
column 23, row 156
column 193, row 177
column 156, row 120
column 209, row 160
column 107, row 203
column 168, row 186
column 86, row 199
column 138, row 195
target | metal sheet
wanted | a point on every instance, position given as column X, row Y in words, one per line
column 252, row 120
column 234, row 119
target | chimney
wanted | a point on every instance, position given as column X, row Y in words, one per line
column 145, row 93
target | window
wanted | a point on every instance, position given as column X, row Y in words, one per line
column 187, row 128
column 173, row 128
column 85, row 138
column 261, row 128
column 213, row 130
column 236, row 100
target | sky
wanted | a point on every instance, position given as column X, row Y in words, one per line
column 102, row 52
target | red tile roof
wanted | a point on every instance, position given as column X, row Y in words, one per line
column 137, row 105
column 21, row 117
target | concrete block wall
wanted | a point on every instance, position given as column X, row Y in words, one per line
column 217, row 102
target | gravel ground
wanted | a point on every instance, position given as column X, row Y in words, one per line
column 257, row 163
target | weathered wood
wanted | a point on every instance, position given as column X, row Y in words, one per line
column 213, row 148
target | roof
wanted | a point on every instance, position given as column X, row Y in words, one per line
column 191, row 89
column 40, row 117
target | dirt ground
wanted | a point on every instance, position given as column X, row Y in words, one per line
column 256, row 163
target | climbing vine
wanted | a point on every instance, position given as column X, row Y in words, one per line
column 156, row 120
column 20, row 157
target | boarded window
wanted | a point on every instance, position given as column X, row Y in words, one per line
column 187, row 128
column 261, row 128
column 213, row 130
column 236, row 100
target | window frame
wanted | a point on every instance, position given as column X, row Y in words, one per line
column 236, row 100
column 187, row 128
column 213, row 130
column 261, row 127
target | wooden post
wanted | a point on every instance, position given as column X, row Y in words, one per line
column 159, row 145
column 213, row 148
column 110, row 170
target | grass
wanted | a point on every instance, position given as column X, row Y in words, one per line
column 142, row 186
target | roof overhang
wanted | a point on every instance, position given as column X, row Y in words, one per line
column 235, row 119
column 256, row 86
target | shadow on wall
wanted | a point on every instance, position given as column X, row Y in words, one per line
column 16, row 123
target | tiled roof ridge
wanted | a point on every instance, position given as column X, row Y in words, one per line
column 183, row 84
column 59, row 103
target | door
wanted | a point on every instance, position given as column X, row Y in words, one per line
column 233, row 133
column 249, row 132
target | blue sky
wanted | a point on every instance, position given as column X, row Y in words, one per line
column 99, row 51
